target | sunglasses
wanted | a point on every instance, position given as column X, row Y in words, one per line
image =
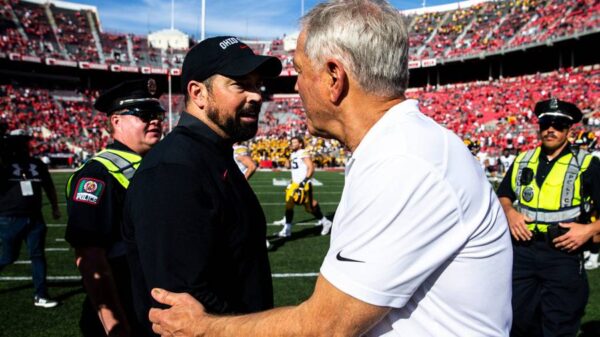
column 558, row 124
column 146, row 116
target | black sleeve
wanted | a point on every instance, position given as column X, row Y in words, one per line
column 45, row 175
column 91, row 206
column 591, row 182
column 505, row 189
column 174, row 217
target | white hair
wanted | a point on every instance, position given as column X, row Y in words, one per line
column 368, row 36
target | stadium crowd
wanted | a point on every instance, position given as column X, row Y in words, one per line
column 495, row 114
column 49, row 31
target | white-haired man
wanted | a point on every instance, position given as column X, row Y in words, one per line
column 419, row 244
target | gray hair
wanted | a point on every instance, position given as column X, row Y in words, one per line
column 368, row 36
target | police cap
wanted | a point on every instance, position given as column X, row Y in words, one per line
column 555, row 108
column 227, row 56
column 140, row 95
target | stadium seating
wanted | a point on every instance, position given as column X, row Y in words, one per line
column 47, row 30
column 498, row 113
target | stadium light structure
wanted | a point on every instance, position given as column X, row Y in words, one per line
column 202, row 21
column 172, row 14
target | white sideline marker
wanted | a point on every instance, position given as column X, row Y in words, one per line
column 77, row 278
column 22, row 262
column 57, row 249
column 285, row 182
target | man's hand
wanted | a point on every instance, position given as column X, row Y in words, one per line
column 185, row 317
column 577, row 235
column 56, row 213
column 517, row 223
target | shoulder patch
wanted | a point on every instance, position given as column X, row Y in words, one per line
column 88, row 191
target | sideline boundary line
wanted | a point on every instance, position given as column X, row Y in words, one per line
column 78, row 278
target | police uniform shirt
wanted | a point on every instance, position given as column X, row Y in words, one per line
column 193, row 224
column 95, row 220
column 590, row 178
column 95, row 206
column 21, row 189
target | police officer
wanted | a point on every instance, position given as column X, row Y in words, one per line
column 21, row 182
column 95, row 197
column 554, row 188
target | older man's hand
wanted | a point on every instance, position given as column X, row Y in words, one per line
column 185, row 317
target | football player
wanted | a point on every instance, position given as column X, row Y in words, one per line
column 299, row 191
column 241, row 156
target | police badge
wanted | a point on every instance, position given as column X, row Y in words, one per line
column 528, row 193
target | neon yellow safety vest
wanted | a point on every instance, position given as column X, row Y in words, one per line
column 559, row 198
column 120, row 164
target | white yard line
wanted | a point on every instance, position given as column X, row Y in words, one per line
column 57, row 249
column 77, row 278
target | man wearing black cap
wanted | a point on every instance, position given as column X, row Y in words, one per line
column 192, row 221
column 555, row 187
column 22, row 179
column 95, row 196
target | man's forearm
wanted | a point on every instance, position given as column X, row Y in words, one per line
column 283, row 321
column 328, row 312
column 507, row 205
column 100, row 286
column 51, row 193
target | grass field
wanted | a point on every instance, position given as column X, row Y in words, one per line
column 294, row 262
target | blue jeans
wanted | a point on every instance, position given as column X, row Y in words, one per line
column 32, row 230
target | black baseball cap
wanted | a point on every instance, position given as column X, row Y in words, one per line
column 227, row 56
column 139, row 95
column 555, row 109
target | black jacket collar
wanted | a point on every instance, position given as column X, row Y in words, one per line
column 199, row 128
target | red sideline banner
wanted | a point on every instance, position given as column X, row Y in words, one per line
column 128, row 69
column 14, row 57
column 64, row 63
column 88, row 65
column 414, row 64
column 150, row 70
column 160, row 71
column 175, row 71
column 429, row 63
column 34, row 59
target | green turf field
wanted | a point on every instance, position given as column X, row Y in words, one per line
column 294, row 263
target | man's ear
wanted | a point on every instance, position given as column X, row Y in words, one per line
column 115, row 121
column 198, row 93
column 337, row 80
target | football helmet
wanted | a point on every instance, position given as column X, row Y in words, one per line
column 299, row 195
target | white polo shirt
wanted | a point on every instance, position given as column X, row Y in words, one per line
column 419, row 229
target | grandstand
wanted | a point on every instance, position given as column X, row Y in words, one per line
column 477, row 67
